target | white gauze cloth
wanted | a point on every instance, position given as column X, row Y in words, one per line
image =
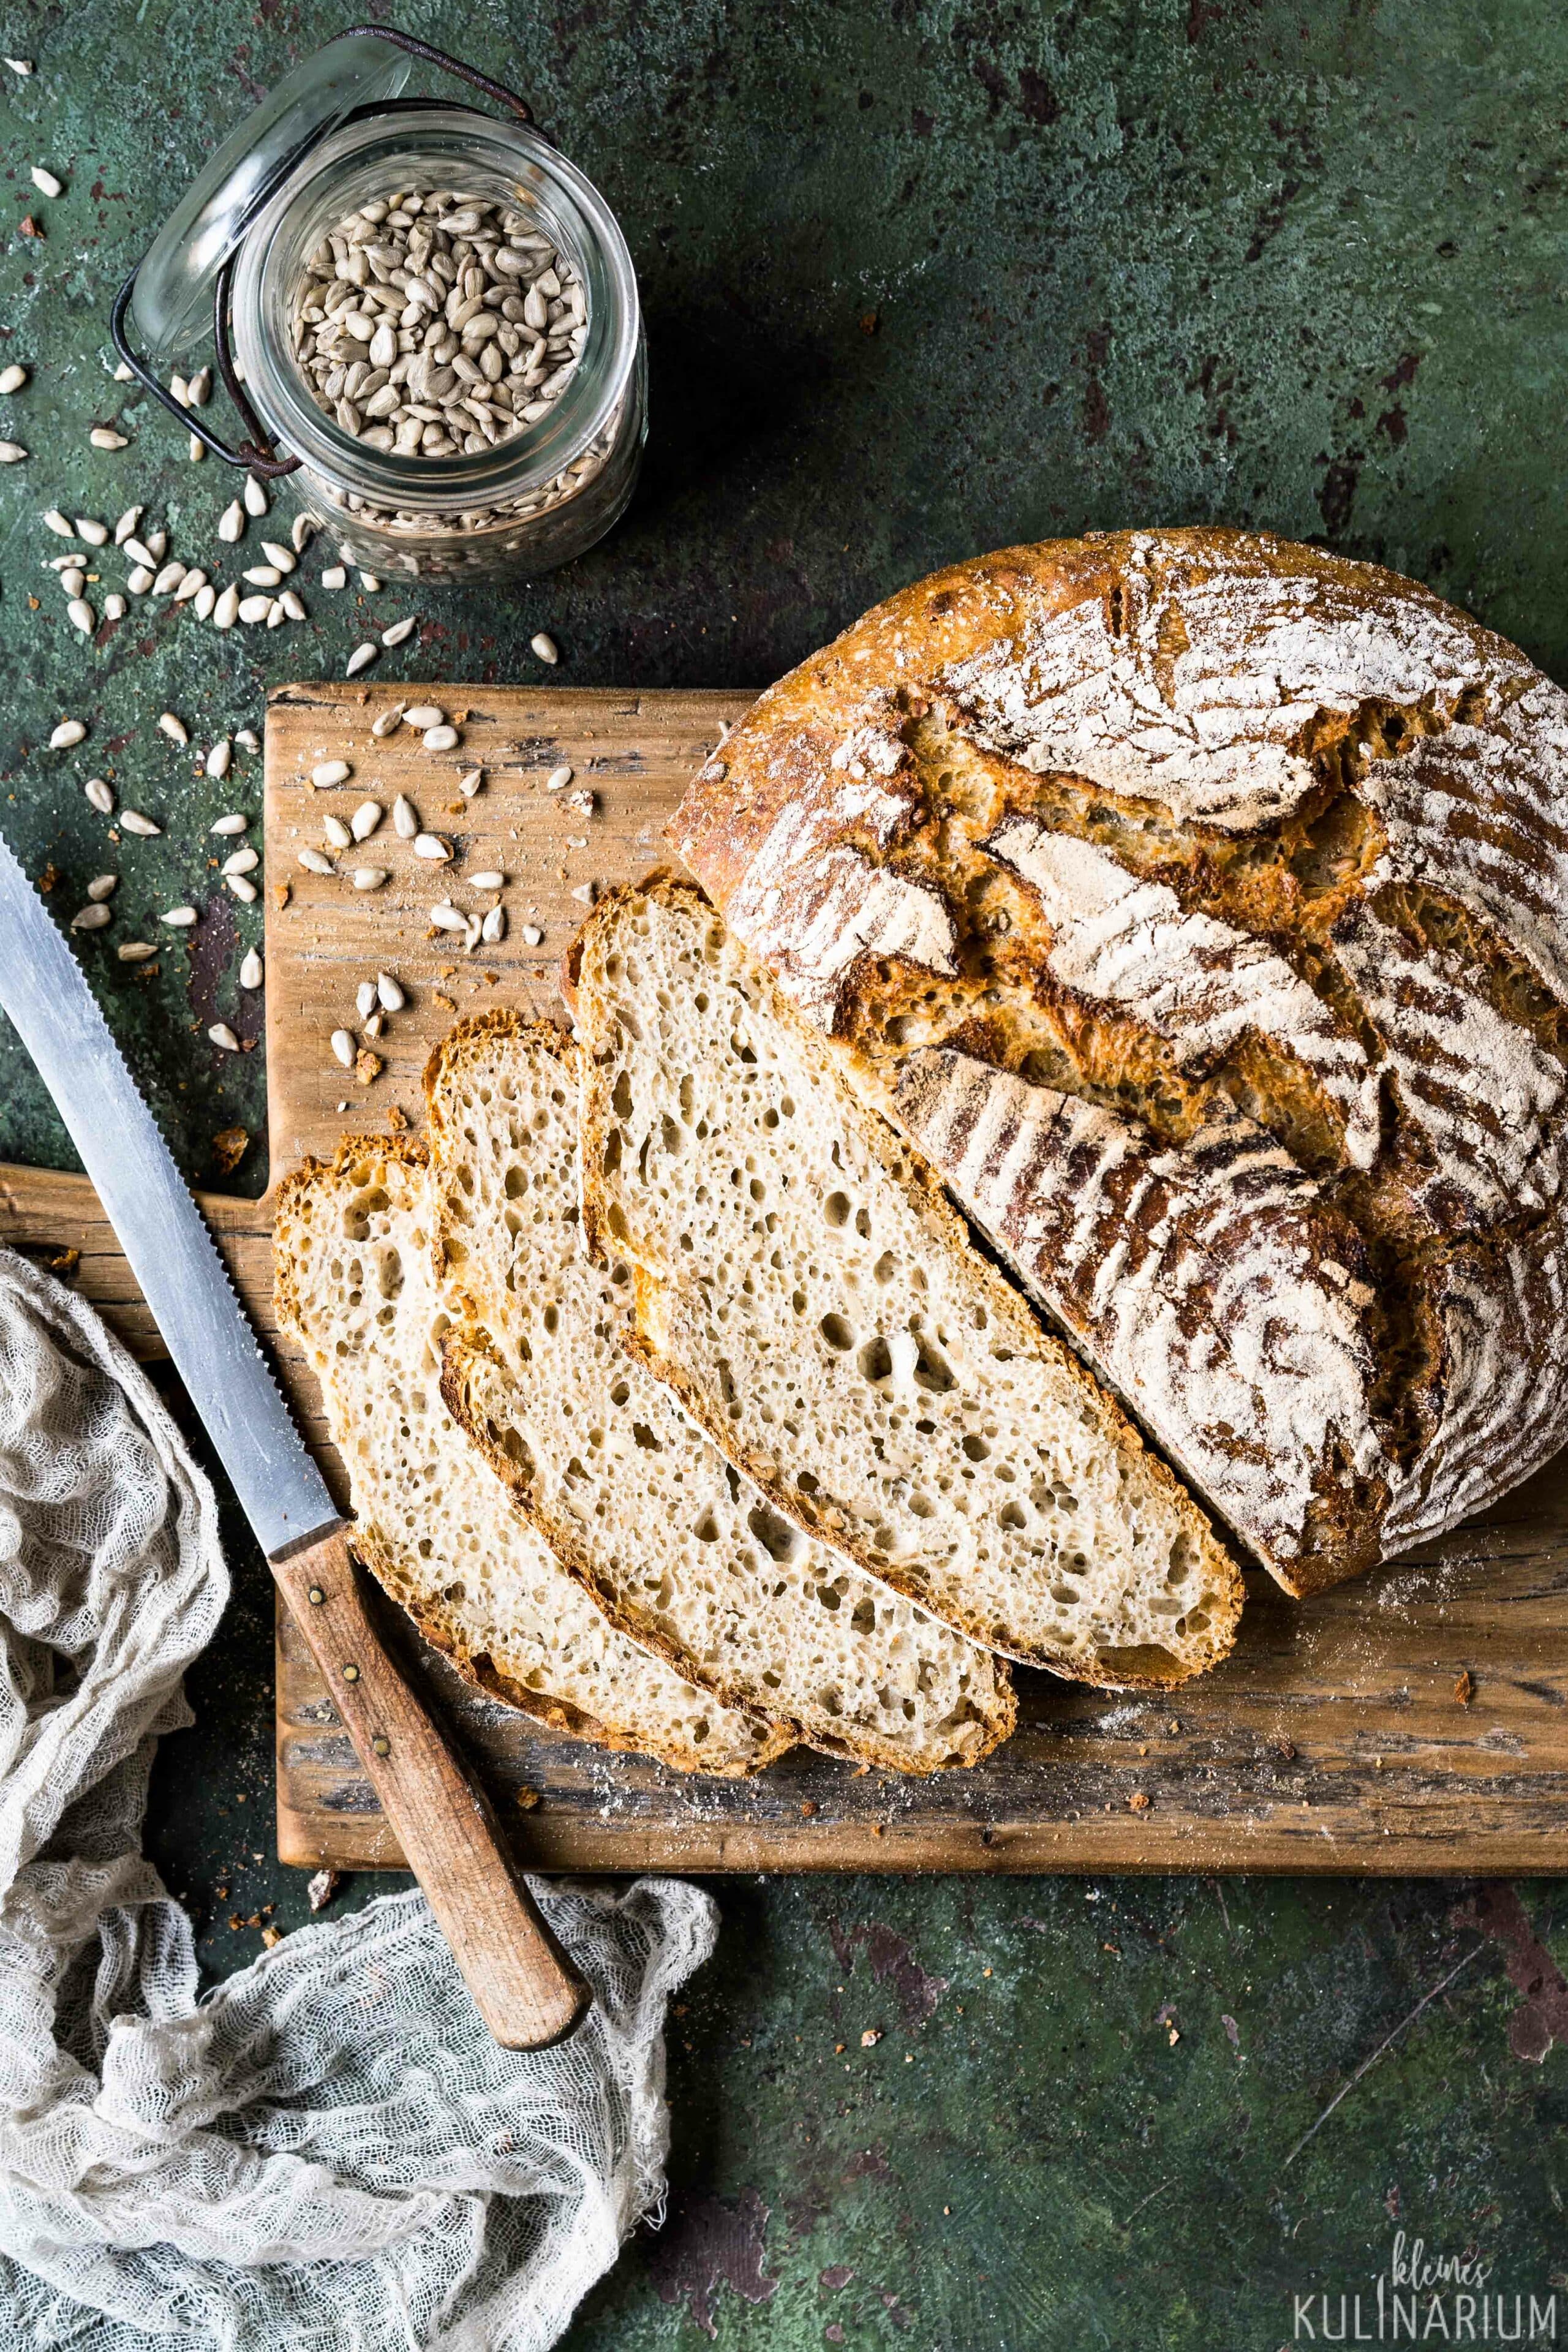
column 328, row 2151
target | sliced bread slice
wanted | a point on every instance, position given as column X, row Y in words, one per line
column 356, row 1285
column 813, row 1300
column 671, row 1543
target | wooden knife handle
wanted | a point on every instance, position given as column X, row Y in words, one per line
column 524, row 1988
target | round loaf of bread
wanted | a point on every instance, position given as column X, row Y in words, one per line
column 1197, row 903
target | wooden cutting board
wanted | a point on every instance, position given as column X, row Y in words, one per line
column 1416, row 1722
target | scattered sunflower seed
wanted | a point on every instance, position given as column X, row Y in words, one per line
column 23, row 66
column 365, row 819
column 255, row 496
column 315, row 861
column 199, row 390
column 424, row 714
column 360, row 658
column 233, row 823
column 400, row 631
column 263, row 575
column 252, row 609
column 446, row 918
column 102, row 886
column 104, row 436
column 548, row 651
column 12, row 378
column 470, row 784
column 242, row 861
column 166, row 581
column 10, row 453
column 132, row 821
column 140, row 580
column 89, row 918
column 226, row 612
column 344, row 1047
column 364, row 999
column 404, row 817
column 72, row 579
column 69, row 731
column 191, row 585
column 388, row 994
column 222, row 1034
column 115, row 607
column 369, row 877
column 174, row 729
column 493, row 928
column 293, row 605
column 44, row 180
column 281, row 558
column 127, row 524
column 557, row 780
column 80, row 615
column 532, row 936
column 179, row 918
column 334, row 576
column 136, row 951
column 158, row 543
column 440, row 739
column 100, row 795
column 247, row 739
column 301, row 531
column 430, row 845
column 243, row 890
column 386, row 722
column 139, row 551
column 196, row 450
column 231, row 522
column 486, row 881
column 584, row 894
column 337, row 832
column 370, row 584
column 328, row 772
column 372, row 1027
column 205, row 601
column 58, row 523
column 252, row 971
column 95, row 533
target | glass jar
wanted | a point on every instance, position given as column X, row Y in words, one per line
column 336, row 136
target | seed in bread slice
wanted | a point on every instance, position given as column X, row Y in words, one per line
column 671, row 1543
column 356, row 1285
column 815, row 1302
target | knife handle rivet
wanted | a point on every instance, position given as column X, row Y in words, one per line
column 351, row 1673
column 316, row 1596
column 381, row 1745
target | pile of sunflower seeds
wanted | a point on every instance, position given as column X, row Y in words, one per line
column 435, row 323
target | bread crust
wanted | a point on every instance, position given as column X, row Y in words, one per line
column 1115, row 817
column 467, row 1352
column 435, row 1623
column 657, row 1306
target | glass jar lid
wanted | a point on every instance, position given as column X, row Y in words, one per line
column 173, row 304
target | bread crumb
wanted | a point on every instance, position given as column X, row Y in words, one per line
column 1138, row 1803
column 1465, row 1688
column 368, row 1066
column 281, row 892
column 270, row 1935
column 870, row 2038
column 808, row 1807
column 397, row 1120
column 322, row 1887
column 230, row 1145
column 526, row 1799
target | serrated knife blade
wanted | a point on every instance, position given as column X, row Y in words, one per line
column 160, row 1228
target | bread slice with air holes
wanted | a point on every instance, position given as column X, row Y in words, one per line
column 356, row 1283
column 812, row 1299
column 673, row 1545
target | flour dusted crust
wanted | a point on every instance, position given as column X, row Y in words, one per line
column 1198, row 903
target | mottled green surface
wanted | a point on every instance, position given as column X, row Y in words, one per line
column 919, row 280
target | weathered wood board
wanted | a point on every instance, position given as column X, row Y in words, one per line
column 1334, row 1739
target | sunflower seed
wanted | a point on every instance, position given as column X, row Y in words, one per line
column 328, row 772
column 263, row 575
column 547, row 649
column 72, row 579
column 158, row 545
column 179, row 918
column 486, row 881
column 557, row 780
column 584, row 894
column 57, row 522
column 252, row 971
column 293, row 605
column 102, row 886
column 255, row 496
column 360, row 658
column 132, row 821
column 423, row 715
column 388, row 994
column 369, row 877
column 233, row 823
column 199, row 390
column 115, row 607
column 430, row 845
column 137, row 550
column 470, row 784
column 23, row 66
column 12, row 378
column 80, row 615
column 222, row 1034
column 136, row 951
column 446, row 918
column 89, row 918
column 365, row 819
column 533, row 937
column 226, row 612
column 174, row 729
column 440, row 739
column 243, row 890
column 281, row 558
column 247, row 739
column 387, row 722
column 231, row 522
column 104, row 436
column 140, row 581
column 344, row 1047
column 405, row 817
column 243, row 861
column 337, row 832
column 316, row 861
column 69, row 731
column 127, row 524
column 373, row 1025
column 301, row 531
column 493, row 928
column 100, row 795
column 334, row 576
column 166, row 581
column 364, row 999
column 10, row 453
column 252, row 609
column 196, row 449
column 399, row 631
column 217, row 761
column 44, row 179
column 370, row 584
column 191, row 585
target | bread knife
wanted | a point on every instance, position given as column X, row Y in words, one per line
column 525, row 1988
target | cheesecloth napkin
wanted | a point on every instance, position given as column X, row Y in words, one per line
column 328, row 2150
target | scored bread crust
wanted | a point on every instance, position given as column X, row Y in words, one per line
column 668, row 1331
column 745, row 1745
column 1197, row 903
column 487, row 1393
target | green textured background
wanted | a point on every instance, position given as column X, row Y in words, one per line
column 919, row 280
